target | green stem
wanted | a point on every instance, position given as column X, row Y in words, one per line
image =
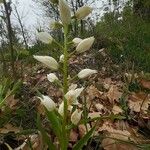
column 65, row 87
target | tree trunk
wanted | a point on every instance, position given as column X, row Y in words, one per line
column 22, row 28
column 9, row 30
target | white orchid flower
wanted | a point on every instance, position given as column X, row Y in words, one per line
column 82, row 12
column 76, row 41
column 85, row 45
column 61, row 109
column 48, row 61
column 72, row 96
column 85, row 73
column 61, row 58
column 65, row 12
column 52, row 77
column 76, row 117
column 47, row 102
column 44, row 37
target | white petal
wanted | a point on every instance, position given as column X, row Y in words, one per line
column 48, row 61
column 71, row 97
column 45, row 37
column 85, row 45
column 65, row 13
column 61, row 109
column 76, row 117
column 76, row 41
column 85, row 73
column 83, row 11
column 52, row 77
column 78, row 91
column 73, row 86
column 61, row 58
column 47, row 102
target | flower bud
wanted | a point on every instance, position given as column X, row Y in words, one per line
column 82, row 12
column 61, row 109
column 76, row 117
column 72, row 96
column 65, row 13
column 48, row 103
column 85, row 45
column 44, row 37
column 52, row 77
column 85, row 73
column 76, row 41
column 61, row 58
column 48, row 61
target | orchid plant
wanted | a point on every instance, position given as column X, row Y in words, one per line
column 67, row 115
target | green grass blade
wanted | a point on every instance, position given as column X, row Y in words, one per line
column 82, row 141
column 54, row 120
column 45, row 137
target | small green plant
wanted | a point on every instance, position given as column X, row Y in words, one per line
column 7, row 88
column 68, row 115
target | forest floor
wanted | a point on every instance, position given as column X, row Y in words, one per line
column 120, row 99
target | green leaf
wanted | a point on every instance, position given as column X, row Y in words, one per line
column 82, row 141
column 55, row 122
column 46, row 139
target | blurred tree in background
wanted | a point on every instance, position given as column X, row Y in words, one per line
column 122, row 29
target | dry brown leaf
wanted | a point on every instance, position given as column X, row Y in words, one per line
column 93, row 92
column 94, row 115
column 11, row 102
column 116, row 110
column 113, row 94
column 36, row 141
column 40, row 109
column 139, row 101
column 99, row 107
column 145, row 84
column 9, row 128
column 111, row 144
column 107, row 83
column 82, row 129
column 73, row 136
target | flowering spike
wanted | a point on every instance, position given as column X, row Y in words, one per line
column 76, row 117
column 48, row 103
column 82, row 12
column 44, row 37
column 65, row 13
column 85, row 73
column 48, row 61
column 85, row 45
column 52, row 77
